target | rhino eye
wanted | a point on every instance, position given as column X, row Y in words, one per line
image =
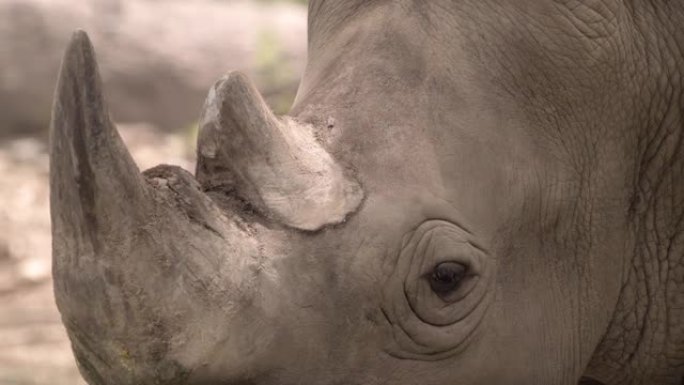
column 446, row 277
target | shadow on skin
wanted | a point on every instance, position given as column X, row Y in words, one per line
column 589, row 381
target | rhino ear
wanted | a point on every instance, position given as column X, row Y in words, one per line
column 95, row 185
column 276, row 165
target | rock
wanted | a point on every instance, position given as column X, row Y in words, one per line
column 158, row 58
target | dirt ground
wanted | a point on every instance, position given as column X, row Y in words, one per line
column 34, row 349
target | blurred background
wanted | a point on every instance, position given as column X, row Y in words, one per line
column 158, row 59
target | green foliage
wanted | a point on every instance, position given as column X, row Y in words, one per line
column 275, row 77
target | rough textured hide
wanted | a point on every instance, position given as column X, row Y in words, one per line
column 522, row 215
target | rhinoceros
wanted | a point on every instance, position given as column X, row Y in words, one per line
column 464, row 192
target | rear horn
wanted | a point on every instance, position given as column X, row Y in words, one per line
column 274, row 164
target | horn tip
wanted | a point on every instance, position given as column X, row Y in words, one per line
column 79, row 44
column 79, row 67
column 79, row 63
column 80, row 35
column 236, row 86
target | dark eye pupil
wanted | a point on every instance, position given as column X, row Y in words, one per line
column 446, row 277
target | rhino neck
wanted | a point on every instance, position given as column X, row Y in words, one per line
column 645, row 340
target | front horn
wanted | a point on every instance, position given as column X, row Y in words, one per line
column 276, row 165
column 93, row 179
column 147, row 270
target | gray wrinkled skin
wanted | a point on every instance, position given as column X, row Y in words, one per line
column 538, row 143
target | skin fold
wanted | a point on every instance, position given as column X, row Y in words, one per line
column 539, row 144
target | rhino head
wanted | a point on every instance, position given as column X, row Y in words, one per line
column 463, row 193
